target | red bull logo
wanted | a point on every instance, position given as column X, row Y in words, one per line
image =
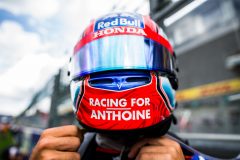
column 116, row 20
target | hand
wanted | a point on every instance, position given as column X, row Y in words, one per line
column 162, row 148
column 60, row 143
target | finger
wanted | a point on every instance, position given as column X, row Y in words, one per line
column 173, row 146
column 153, row 141
column 50, row 154
column 156, row 149
column 63, row 131
column 154, row 156
column 61, row 144
column 161, row 150
column 165, row 141
column 136, row 147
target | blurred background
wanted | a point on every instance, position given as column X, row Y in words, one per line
column 37, row 39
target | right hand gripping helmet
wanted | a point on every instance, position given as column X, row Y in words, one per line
column 123, row 76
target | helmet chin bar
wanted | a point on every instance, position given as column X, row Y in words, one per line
column 157, row 130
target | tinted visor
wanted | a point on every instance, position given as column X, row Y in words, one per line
column 121, row 52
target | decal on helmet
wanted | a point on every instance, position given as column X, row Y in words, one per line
column 122, row 24
column 119, row 19
column 134, row 108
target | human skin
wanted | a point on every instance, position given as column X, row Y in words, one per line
column 162, row 148
column 62, row 143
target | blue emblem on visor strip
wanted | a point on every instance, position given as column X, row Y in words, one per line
column 119, row 19
column 119, row 81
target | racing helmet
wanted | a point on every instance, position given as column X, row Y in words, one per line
column 123, row 76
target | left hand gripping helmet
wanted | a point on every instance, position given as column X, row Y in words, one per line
column 123, row 76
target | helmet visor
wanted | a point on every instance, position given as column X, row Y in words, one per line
column 121, row 52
